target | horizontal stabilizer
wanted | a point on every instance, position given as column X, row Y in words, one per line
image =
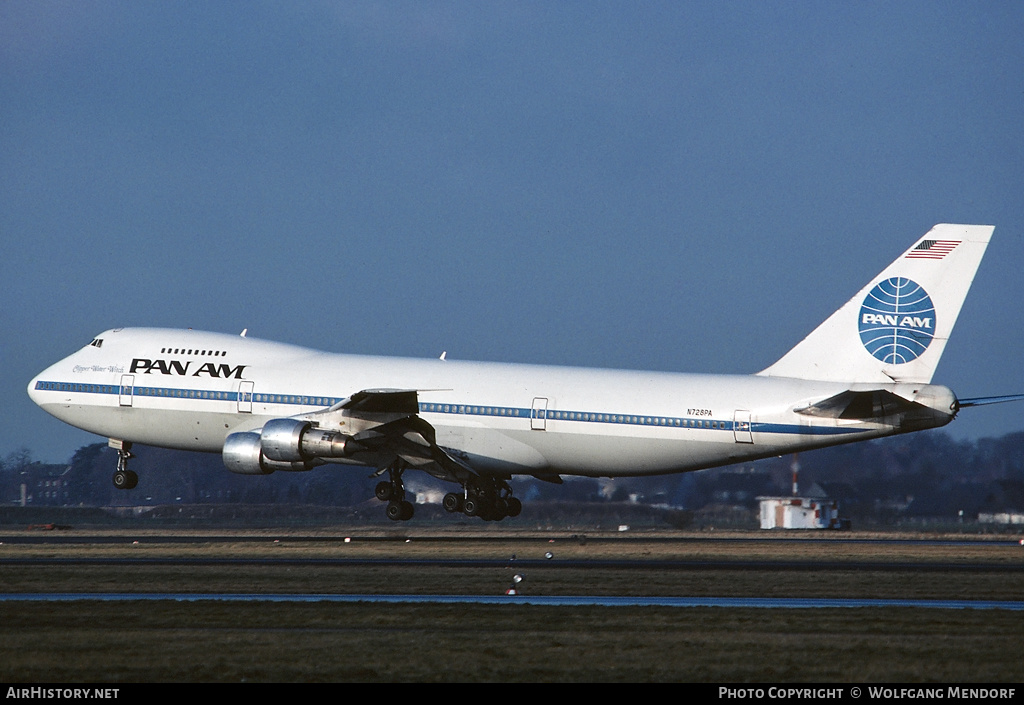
column 982, row 401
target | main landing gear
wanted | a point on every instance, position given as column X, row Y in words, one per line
column 485, row 497
column 393, row 492
column 125, row 479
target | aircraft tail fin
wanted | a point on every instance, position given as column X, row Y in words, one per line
column 896, row 327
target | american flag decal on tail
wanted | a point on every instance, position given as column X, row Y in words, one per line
column 932, row 249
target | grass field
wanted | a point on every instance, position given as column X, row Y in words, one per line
column 166, row 641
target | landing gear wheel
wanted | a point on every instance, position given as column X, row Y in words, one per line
column 500, row 509
column 125, row 479
column 471, row 507
column 452, row 502
column 514, row 506
column 385, row 491
column 400, row 511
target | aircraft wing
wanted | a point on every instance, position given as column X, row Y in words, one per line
column 411, row 440
column 395, row 401
column 390, row 433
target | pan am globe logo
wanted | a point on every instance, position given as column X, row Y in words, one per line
column 897, row 321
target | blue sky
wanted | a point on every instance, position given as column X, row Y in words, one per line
column 687, row 186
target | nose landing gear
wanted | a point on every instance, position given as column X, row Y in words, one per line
column 124, row 479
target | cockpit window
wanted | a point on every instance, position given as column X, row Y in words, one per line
column 97, row 342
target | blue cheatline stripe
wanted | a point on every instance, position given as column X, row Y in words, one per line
column 180, row 393
column 628, row 419
column 559, row 415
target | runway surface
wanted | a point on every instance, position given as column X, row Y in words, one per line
column 561, row 601
column 58, row 538
column 184, row 576
column 584, row 564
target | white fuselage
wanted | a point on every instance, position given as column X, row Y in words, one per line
column 189, row 390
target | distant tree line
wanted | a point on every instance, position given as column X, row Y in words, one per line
column 918, row 475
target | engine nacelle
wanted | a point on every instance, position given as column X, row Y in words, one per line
column 318, row 443
column 243, row 454
column 284, row 444
column 298, row 440
column 281, row 439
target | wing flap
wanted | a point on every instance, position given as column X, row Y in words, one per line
column 409, row 438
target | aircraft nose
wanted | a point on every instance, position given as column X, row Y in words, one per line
column 37, row 387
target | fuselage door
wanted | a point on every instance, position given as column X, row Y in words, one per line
column 127, row 391
column 741, row 426
column 539, row 414
column 245, row 397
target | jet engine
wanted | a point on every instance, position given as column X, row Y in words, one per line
column 243, row 455
column 283, row 444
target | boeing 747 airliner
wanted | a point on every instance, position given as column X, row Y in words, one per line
column 266, row 407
